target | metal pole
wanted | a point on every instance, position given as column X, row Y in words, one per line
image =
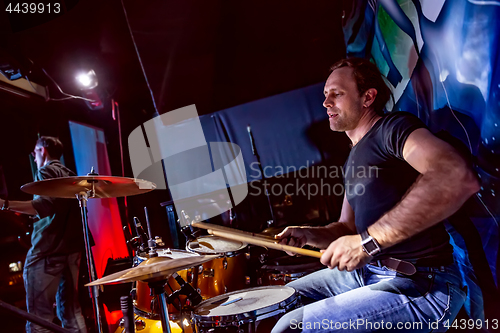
column 159, row 291
column 94, row 291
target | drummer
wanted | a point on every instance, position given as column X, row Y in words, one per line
column 53, row 261
column 389, row 257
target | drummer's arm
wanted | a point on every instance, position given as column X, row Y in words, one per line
column 321, row 237
column 24, row 207
column 345, row 225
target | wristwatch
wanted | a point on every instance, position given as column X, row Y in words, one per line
column 370, row 245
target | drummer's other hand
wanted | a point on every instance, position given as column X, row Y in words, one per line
column 293, row 236
column 345, row 253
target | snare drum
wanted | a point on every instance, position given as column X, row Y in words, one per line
column 283, row 270
column 223, row 274
column 144, row 302
column 250, row 310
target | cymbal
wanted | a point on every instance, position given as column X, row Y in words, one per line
column 152, row 269
column 104, row 186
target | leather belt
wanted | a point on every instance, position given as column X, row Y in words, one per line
column 400, row 266
column 409, row 268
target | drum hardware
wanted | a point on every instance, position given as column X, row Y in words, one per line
column 155, row 271
column 186, row 289
column 159, row 241
column 209, row 272
column 83, row 188
column 139, row 324
column 180, row 301
column 141, row 239
column 151, row 242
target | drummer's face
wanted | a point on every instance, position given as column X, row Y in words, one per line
column 37, row 153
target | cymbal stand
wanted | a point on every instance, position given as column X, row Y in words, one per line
column 158, row 288
column 94, row 291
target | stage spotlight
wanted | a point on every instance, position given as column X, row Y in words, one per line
column 87, row 80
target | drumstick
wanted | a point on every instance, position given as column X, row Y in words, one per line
column 204, row 225
column 265, row 243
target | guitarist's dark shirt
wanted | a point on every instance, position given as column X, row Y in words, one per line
column 376, row 179
column 59, row 229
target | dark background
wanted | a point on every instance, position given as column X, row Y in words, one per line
column 157, row 57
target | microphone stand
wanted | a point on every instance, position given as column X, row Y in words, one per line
column 254, row 151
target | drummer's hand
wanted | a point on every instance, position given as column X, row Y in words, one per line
column 293, row 236
column 345, row 253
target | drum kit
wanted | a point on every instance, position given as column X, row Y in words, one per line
column 204, row 286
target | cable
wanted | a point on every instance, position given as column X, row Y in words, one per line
column 65, row 94
column 449, row 104
column 139, row 57
column 466, row 133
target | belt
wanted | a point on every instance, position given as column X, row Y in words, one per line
column 410, row 268
column 400, row 266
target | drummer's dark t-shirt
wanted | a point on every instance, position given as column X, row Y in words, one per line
column 59, row 228
column 376, row 179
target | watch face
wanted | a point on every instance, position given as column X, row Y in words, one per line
column 370, row 246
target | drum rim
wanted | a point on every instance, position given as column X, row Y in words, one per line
column 245, row 317
column 222, row 254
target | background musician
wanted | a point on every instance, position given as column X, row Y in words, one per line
column 53, row 261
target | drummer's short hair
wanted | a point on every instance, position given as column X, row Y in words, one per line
column 53, row 145
column 367, row 75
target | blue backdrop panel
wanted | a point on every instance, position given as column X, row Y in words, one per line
column 280, row 127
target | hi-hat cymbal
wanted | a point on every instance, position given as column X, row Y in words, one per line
column 152, row 269
column 104, row 186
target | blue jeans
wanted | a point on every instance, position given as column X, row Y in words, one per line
column 49, row 280
column 375, row 299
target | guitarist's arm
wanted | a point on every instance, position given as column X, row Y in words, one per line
column 24, row 207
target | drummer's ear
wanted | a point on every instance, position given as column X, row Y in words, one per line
column 45, row 153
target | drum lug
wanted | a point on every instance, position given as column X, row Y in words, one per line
column 190, row 276
column 209, row 272
column 262, row 258
column 140, row 324
column 224, row 263
column 200, row 269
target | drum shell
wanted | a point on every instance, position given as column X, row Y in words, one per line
column 220, row 275
column 252, row 320
column 283, row 270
